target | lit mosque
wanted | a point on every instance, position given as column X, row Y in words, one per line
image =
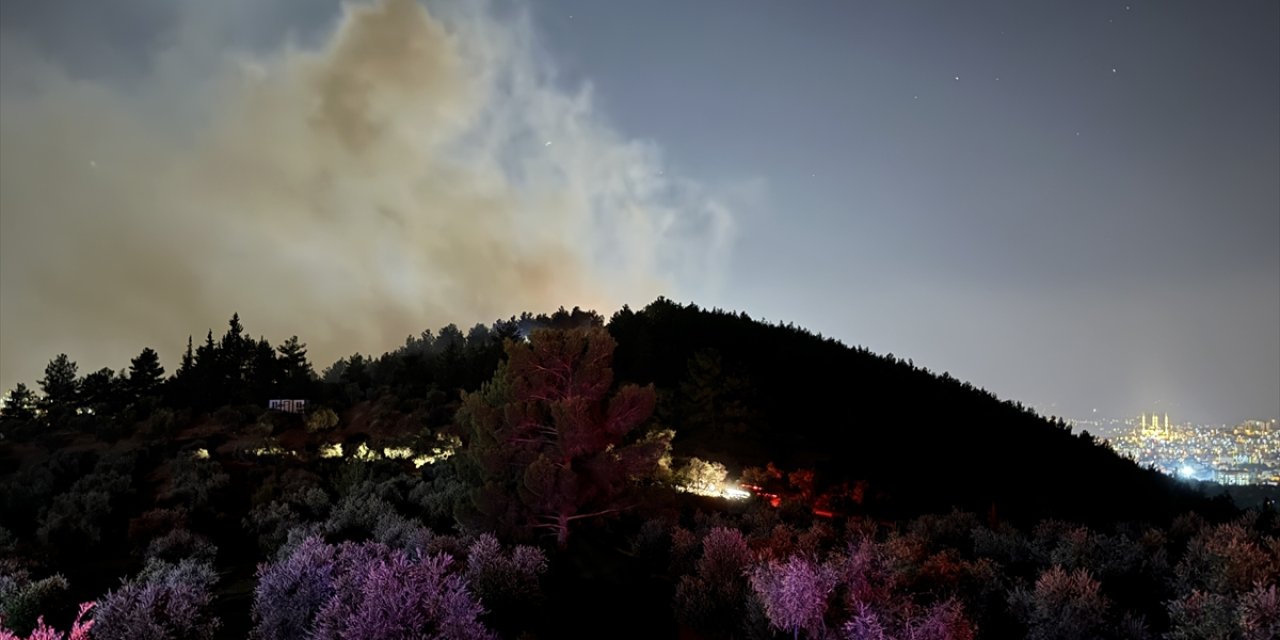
column 1151, row 425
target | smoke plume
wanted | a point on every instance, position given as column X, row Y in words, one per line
column 407, row 170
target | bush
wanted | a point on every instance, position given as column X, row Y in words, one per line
column 322, row 419
column 79, row 517
column 165, row 601
column 365, row 590
column 714, row 597
column 22, row 599
column 79, row 628
column 506, row 581
column 794, row 594
column 1062, row 606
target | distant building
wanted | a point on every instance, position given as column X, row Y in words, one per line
column 288, row 406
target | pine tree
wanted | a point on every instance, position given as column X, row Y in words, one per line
column 20, row 405
column 293, row 357
column 145, row 373
column 60, row 384
column 101, row 391
column 550, row 446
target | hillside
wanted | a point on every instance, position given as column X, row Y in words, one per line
column 749, row 393
column 552, row 473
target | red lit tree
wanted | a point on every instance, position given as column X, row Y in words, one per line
column 550, row 445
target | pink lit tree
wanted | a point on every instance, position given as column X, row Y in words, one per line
column 79, row 628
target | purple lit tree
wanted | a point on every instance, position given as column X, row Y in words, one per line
column 398, row 597
column 365, row 590
column 164, row 601
column 794, row 594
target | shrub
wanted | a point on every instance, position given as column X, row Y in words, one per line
column 1062, row 605
column 504, row 580
column 365, row 590
column 164, row 601
column 22, row 599
column 794, row 594
column 179, row 544
column 1226, row 560
column 714, row 596
column 79, row 516
column 1202, row 615
column 396, row 597
column 1259, row 613
column 322, row 419
column 79, row 628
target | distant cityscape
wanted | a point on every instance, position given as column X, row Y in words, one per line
column 1244, row 454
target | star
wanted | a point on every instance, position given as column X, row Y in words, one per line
column 1113, row 69
column 547, row 144
column 93, row 163
column 957, row 77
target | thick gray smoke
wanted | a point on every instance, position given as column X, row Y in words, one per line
column 408, row 171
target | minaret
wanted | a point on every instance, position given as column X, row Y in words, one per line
column 1144, row 421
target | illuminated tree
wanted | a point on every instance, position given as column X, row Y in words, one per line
column 794, row 594
column 550, row 445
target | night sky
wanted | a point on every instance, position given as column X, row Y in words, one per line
column 1071, row 204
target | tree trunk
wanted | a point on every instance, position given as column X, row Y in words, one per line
column 562, row 530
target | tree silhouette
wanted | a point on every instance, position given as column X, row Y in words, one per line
column 145, row 373
column 60, row 385
column 21, row 404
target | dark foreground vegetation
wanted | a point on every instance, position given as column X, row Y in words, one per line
column 676, row 473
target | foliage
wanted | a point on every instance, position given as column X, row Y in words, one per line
column 60, row 383
column 363, row 591
column 1259, row 613
column 322, row 419
column 549, row 445
column 716, row 595
column 22, row 599
column 80, row 515
column 795, row 594
column 145, row 373
column 79, row 628
column 1226, row 559
column 1202, row 616
column 20, row 405
column 165, row 601
column 1063, row 605
column 505, row 580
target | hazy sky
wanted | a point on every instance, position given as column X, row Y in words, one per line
column 1072, row 204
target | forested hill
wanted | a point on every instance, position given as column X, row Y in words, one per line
column 735, row 391
column 746, row 392
column 459, row 442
